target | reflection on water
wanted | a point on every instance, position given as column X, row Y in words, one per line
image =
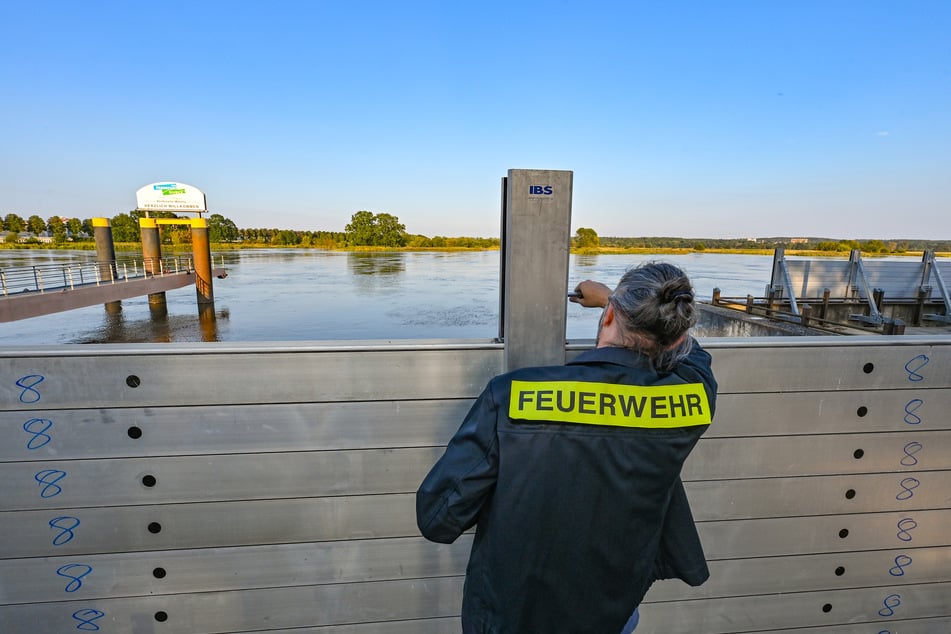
column 376, row 263
column 585, row 260
column 157, row 327
column 314, row 295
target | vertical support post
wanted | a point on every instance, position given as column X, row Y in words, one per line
column 535, row 278
column 878, row 296
column 826, row 294
column 152, row 260
column 805, row 315
column 923, row 294
column 716, row 297
column 201, row 251
column 105, row 256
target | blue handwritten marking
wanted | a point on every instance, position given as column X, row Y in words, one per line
column 901, row 562
column 49, row 478
column 905, row 526
column 916, row 364
column 29, row 382
column 86, row 618
column 908, row 486
column 911, row 407
column 910, row 450
column 76, row 580
column 66, row 525
column 891, row 602
column 40, row 437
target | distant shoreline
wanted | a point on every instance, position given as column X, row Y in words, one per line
column 230, row 246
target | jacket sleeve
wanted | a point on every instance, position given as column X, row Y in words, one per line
column 450, row 498
column 680, row 554
column 698, row 367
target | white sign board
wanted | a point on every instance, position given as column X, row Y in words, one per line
column 169, row 196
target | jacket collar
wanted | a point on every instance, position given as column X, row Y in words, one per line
column 617, row 356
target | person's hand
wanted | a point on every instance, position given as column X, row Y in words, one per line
column 591, row 294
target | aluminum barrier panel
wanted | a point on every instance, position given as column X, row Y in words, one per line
column 213, row 488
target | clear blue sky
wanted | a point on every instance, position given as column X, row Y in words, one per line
column 692, row 119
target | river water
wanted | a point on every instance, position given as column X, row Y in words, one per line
column 314, row 295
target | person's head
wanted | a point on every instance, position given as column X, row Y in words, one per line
column 653, row 307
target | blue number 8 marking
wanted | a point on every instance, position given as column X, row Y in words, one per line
column 908, row 486
column 911, row 407
column 86, row 618
column 910, row 450
column 66, row 525
column 76, row 581
column 905, row 526
column 891, row 602
column 29, row 382
column 901, row 562
column 916, row 364
column 49, row 477
column 40, row 437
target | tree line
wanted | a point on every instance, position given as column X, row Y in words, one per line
column 797, row 243
column 368, row 229
column 364, row 229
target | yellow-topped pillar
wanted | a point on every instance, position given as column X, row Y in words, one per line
column 152, row 258
column 105, row 256
column 201, row 251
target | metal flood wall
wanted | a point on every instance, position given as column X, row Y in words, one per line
column 270, row 488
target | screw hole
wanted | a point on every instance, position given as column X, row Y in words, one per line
column 149, row 480
column 827, row 607
column 155, row 528
column 159, row 573
column 133, row 381
column 850, row 494
column 161, row 616
column 868, row 368
column 839, row 571
column 859, row 453
column 843, row 533
column 862, row 411
column 135, row 432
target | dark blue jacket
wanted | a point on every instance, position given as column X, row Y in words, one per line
column 572, row 475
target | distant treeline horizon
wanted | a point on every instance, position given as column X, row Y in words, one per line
column 367, row 229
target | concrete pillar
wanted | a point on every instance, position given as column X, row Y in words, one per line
column 536, row 244
column 152, row 258
column 201, row 252
column 106, row 256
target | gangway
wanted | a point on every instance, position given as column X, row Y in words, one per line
column 32, row 291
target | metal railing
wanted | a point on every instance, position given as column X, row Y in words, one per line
column 41, row 278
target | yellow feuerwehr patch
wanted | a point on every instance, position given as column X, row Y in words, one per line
column 657, row 406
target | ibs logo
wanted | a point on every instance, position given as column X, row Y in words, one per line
column 539, row 190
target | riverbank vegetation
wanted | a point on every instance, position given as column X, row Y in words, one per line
column 380, row 231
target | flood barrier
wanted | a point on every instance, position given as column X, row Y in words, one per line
column 199, row 488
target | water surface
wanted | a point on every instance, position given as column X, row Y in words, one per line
column 311, row 295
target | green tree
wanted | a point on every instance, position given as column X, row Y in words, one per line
column 586, row 238
column 699, row 246
column 36, row 224
column 285, row 237
column 14, row 223
column 75, row 226
column 380, row 230
column 221, row 229
column 58, row 228
column 125, row 228
column 874, row 246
